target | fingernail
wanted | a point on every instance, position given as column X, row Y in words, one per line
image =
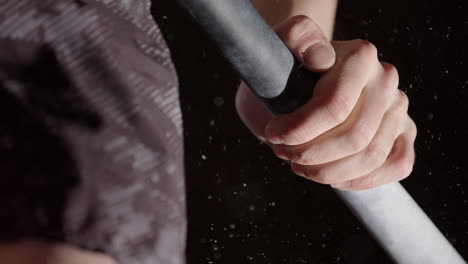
column 340, row 185
column 274, row 140
column 319, row 56
column 282, row 156
column 270, row 135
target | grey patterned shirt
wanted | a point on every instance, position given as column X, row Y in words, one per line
column 91, row 145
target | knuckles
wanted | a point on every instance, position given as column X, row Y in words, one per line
column 402, row 101
column 390, row 78
column 374, row 156
column 338, row 109
column 412, row 129
column 358, row 137
column 403, row 169
column 403, row 164
column 364, row 51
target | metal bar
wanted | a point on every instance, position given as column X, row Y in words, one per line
column 400, row 226
column 267, row 66
column 270, row 69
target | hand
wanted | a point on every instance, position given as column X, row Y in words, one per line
column 355, row 132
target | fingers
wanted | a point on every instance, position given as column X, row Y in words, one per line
column 335, row 96
column 305, row 39
column 361, row 163
column 307, row 42
column 397, row 167
column 356, row 132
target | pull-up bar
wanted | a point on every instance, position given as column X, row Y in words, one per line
column 270, row 70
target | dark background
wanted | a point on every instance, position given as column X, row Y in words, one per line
column 245, row 206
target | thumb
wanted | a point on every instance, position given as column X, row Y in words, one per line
column 307, row 42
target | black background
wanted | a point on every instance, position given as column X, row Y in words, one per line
column 245, row 206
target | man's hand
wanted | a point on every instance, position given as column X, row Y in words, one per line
column 355, row 132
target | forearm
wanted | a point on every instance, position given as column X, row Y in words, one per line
column 36, row 252
column 321, row 11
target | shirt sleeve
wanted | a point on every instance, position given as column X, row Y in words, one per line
column 91, row 142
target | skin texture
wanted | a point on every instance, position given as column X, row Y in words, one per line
column 355, row 132
column 321, row 11
column 37, row 252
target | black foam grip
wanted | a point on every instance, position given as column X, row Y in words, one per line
column 299, row 89
column 255, row 51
